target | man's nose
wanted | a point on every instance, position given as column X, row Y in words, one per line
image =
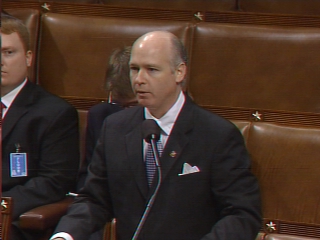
column 139, row 77
column 3, row 58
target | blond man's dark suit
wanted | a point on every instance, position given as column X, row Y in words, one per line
column 220, row 202
column 46, row 128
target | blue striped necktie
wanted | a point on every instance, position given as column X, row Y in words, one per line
column 150, row 162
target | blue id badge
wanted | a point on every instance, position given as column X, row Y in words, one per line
column 18, row 165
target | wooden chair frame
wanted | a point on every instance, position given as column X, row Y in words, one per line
column 6, row 217
column 110, row 230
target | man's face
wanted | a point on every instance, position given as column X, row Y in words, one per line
column 154, row 80
column 14, row 62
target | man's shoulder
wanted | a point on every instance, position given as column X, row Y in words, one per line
column 207, row 119
column 203, row 114
column 44, row 98
column 127, row 115
column 104, row 108
column 41, row 103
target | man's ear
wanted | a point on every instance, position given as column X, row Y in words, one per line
column 181, row 72
column 29, row 58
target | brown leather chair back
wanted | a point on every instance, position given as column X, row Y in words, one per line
column 300, row 7
column 286, row 162
column 262, row 67
column 286, row 237
column 31, row 18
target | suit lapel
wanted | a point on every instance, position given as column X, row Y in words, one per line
column 178, row 138
column 135, row 153
column 19, row 107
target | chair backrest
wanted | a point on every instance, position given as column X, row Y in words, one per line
column 6, row 217
column 255, row 67
column 298, row 7
column 285, row 160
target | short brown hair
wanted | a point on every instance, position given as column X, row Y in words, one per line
column 10, row 24
column 179, row 55
column 180, row 52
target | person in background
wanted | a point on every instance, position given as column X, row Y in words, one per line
column 40, row 142
column 121, row 96
column 205, row 189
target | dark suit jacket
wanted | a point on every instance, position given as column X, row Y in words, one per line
column 46, row 128
column 96, row 116
column 220, row 202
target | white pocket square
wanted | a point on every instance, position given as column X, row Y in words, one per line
column 187, row 169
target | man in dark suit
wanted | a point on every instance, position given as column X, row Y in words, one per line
column 120, row 96
column 40, row 146
column 206, row 188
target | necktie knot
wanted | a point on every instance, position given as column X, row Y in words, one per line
column 3, row 105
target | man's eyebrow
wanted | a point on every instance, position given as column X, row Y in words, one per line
column 6, row 48
column 144, row 65
column 151, row 65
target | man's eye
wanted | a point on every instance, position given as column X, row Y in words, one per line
column 8, row 52
column 134, row 69
column 153, row 69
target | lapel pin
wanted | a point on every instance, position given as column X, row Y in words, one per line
column 173, row 154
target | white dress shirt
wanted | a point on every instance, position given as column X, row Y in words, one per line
column 9, row 97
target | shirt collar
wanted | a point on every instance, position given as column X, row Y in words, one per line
column 9, row 97
column 167, row 121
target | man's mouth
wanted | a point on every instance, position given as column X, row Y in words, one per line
column 141, row 94
column 140, row 91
